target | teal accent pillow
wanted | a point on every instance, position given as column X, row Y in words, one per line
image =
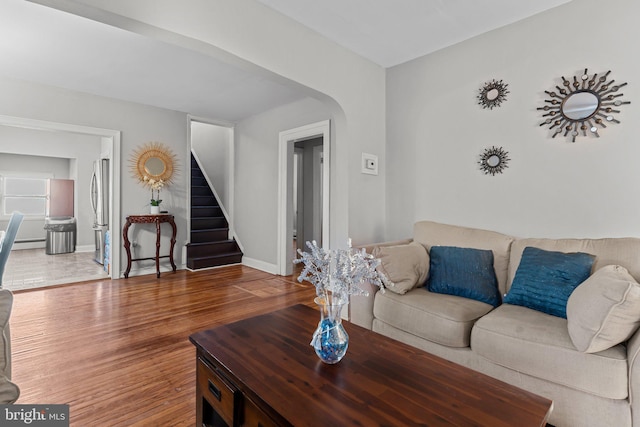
column 465, row 272
column 544, row 280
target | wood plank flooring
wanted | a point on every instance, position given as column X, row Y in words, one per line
column 117, row 351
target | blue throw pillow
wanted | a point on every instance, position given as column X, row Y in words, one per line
column 545, row 279
column 465, row 272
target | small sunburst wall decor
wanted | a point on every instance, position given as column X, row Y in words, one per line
column 492, row 94
column 494, row 160
column 582, row 105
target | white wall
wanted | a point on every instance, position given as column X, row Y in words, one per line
column 256, row 179
column 212, row 145
column 436, row 130
column 139, row 124
column 39, row 151
column 257, row 38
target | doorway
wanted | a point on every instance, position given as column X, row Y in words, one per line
column 307, row 192
column 109, row 141
column 304, row 203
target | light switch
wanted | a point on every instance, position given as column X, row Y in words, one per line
column 369, row 164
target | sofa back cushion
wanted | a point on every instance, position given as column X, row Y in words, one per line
column 430, row 234
column 623, row 251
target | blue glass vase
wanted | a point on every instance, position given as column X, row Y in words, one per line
column 330, row 340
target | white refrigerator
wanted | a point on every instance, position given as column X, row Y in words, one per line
column 100, row 206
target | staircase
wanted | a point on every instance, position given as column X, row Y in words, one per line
column 210, row 244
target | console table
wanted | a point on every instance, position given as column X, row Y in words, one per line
column 149, row 219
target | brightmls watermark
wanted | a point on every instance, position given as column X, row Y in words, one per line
column 34, row 415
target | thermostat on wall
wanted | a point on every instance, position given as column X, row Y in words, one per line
column 369, row 164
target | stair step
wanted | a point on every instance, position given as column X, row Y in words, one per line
column 198, row 180
column 201, row 190
column 210, row 244
column 198, row 250
column 203, row 201
column 210, row 235
column 214, row 261
column 207, row 223
column 205, row 211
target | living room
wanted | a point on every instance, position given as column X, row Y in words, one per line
column 421, row 118
column 408, row 106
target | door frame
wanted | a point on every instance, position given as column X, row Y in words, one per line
column 287, row 139
column 112, row 139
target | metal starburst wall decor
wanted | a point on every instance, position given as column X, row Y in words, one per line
column 494, row 160
column 582, row 106
column 492, row 94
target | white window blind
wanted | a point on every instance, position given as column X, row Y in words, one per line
column 24, row 194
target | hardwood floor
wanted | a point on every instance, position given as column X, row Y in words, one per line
column 117, row 351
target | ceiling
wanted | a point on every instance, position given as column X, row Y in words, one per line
column 41, row 44
column 392, row 32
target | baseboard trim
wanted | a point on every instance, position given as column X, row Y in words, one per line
column 260, row 265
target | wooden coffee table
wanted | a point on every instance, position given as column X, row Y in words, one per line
column 262, row 371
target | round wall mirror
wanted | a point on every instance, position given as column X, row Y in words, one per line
column 494, row 160
column 582, row 106
column 492, row 94
column 154, row 166
column 153, row 161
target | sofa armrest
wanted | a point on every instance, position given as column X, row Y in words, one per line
column 360, row 306
column 633, row 359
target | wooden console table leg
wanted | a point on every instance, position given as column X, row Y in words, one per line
column 157, row 248
column 150, row 219
column 173, row 243
column 127, row 247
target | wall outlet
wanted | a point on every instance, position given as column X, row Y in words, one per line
column 369, row 164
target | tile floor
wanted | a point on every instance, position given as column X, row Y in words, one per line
column 33, row 268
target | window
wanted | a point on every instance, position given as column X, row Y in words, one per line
column 24, row 194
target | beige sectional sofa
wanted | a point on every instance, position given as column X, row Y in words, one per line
column 598, row 385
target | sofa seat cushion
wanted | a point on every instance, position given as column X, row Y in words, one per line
column 440, row 318
column 538, row 344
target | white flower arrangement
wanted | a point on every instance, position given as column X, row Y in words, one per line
column 338, row 273
column 156, row 185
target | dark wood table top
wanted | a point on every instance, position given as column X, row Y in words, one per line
column 380, row 381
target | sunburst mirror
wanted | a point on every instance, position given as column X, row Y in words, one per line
column 153, row 160
column 492, row 94
column 494, row 160
column 582, row 107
